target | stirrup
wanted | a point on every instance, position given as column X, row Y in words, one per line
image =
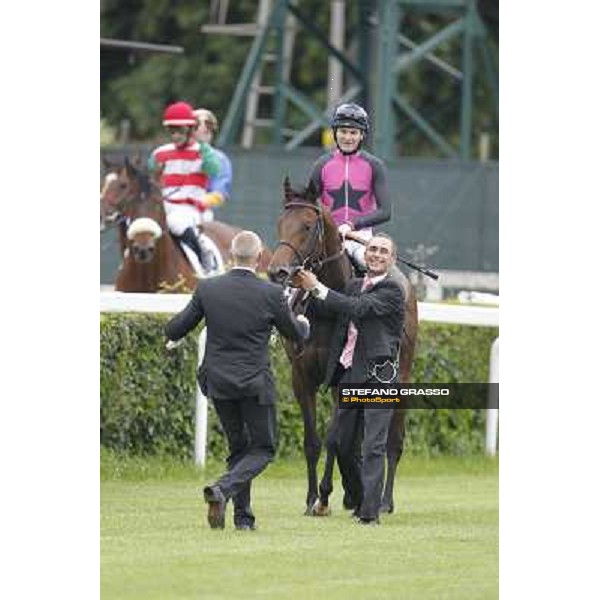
column 208, row 261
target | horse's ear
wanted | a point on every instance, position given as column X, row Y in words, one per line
column 131, row 170
column 311, row 192
column 288, row 193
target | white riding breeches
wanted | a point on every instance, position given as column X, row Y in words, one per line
column 181, row 216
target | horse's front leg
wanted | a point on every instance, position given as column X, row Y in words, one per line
column 312, row 447
column 395, row 447
column 321, row 507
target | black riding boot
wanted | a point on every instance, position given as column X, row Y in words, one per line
column 190, row 238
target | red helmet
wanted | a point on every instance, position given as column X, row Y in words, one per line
column 180, row 113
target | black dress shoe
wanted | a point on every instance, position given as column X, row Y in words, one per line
column 216, row 506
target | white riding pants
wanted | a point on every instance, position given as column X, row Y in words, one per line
column 181, row 216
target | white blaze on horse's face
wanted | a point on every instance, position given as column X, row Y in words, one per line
column 110, row 177
column 105, row 198
column 112, row 194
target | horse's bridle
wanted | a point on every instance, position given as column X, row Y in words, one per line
column 119, row 214
column 314, row 259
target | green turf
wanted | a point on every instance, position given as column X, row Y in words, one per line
column 441, row 543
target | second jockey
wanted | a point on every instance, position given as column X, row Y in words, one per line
column 184, row 167
column 219, row 187
column 351, row 182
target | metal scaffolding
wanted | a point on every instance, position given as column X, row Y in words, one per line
column 382, row 58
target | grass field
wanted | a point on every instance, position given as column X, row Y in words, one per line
column 441, row 543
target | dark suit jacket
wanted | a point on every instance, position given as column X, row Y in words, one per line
column 377, row 313
column 240, row 311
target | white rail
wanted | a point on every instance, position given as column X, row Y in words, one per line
column 428, row 311
column 201, row 409
column 491, row 415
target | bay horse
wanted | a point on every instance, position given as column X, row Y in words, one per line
column 308, row 236
column 152, row 260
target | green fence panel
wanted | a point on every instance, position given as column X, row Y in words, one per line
column 450, row 204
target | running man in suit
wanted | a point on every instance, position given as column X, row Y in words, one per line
column 240, row 311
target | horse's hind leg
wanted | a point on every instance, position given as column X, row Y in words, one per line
column 321, row 507
column 397, row 430
column 395, row 447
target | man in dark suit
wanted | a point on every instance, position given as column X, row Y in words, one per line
column 364, row 350
column 240, row 311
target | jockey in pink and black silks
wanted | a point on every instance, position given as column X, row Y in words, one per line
column 183, row 168
column 352, row 182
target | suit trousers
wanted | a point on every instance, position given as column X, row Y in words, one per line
column 363, row 479
column 250, row 429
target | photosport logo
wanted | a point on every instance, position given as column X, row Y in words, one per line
column 419, row 395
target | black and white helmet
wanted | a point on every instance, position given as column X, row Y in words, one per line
column 350, row 115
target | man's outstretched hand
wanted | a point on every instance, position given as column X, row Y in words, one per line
column 172, row 345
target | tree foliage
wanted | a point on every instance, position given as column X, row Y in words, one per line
column 136, row 86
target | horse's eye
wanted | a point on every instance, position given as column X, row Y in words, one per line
column 307, row 227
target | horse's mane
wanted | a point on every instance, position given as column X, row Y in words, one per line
column 143, row 178
column 309, row 195
column 145, row 182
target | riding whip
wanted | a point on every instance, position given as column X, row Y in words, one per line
column 356, row 238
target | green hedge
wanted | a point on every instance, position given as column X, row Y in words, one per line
column 148, row 394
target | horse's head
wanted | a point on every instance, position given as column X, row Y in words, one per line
column 115, row 190
column 131, row 193
column 300, row 230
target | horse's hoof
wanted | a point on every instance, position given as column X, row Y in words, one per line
column 320, row 510
column 387, row 508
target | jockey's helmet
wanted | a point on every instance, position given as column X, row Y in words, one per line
column 179, row 114
column 209, row 117
column 350, row 115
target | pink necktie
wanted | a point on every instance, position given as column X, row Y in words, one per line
column 348, row 351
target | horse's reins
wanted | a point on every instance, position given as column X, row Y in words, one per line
column 317, row 232
column 310, row 262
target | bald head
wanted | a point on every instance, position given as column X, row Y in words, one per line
column 246, row 248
